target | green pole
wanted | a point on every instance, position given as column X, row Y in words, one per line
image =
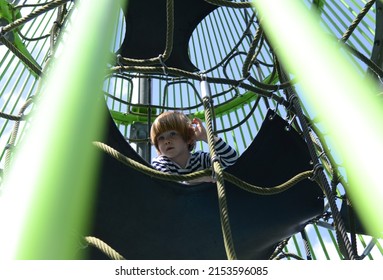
column 47, row 196
column 347, row 104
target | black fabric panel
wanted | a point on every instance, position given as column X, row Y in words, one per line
column 145, row 35
column 145, row 218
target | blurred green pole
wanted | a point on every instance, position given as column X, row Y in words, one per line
column 47, row 198
column 345, row 102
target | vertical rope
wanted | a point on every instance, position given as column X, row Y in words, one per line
column 218, row 171
column 351, row 217
column 321, row 177
column 169, row 42
column 306, row 244
column 15, row 131
column 31, row 65
column 357, row 20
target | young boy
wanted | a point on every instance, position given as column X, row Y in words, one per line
column 175, row 136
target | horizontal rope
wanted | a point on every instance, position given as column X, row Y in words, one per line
column 103, row 247
column 206, row 172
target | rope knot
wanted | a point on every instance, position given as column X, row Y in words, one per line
column 318, row 167
column 291, row 101
column 119, row 63
column 164, row 67
column 9, row 146
column 59, row 25
column 215, row 158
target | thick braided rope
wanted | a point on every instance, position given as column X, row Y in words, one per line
column 306, row 244
column 357, row 20
column 321, row 177
column 10, row 117
column 282, row 244
column 35, row 68
column 250, row 54
column 103, row 247
column 261, row 89
column 169, row 29
column 371, row 64
column 169, row 41
column 225, row 3
column 15, row 131
column 229, row 177
column 217, row 168
column 147, row 170
column 288, row 255
column 33, row 15
column 268, row 191
column 56, row 27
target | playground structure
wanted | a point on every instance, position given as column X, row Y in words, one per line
column 230, row 57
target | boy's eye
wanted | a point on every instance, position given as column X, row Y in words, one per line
column 170, row 134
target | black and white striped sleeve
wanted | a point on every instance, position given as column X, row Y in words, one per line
column 228, row 156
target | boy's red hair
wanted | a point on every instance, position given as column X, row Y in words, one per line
column 173, row 120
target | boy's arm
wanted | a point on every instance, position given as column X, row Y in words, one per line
column 227, row 154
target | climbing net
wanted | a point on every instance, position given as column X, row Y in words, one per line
column 246, row 79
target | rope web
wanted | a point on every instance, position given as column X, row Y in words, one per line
column 246, row 79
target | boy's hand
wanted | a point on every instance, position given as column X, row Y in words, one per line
column 199, row 130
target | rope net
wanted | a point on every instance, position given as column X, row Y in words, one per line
column 234, row 55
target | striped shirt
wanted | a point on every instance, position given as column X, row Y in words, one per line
column 197, row 161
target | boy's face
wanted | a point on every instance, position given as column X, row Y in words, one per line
column 172, row 145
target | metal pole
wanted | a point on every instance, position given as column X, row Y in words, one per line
column 142, row 91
